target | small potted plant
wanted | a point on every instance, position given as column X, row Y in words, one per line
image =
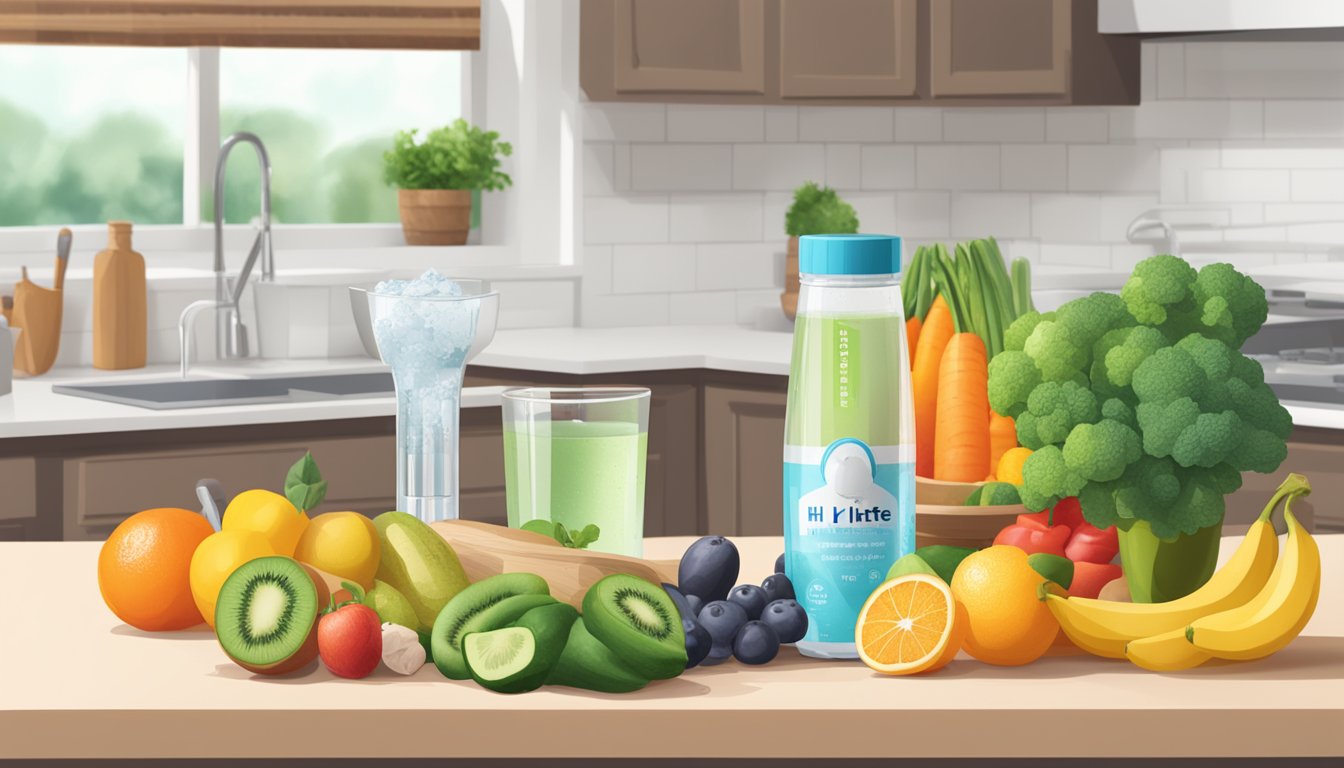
column 436, row 177
column 816, row 210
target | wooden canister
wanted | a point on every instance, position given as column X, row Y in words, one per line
column 119, row 326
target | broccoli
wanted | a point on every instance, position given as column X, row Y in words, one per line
column 1142, row 404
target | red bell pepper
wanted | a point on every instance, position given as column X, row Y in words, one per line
column 1069, row 512
column 1089, row 578
column 1090, row 544
column 1030, row 536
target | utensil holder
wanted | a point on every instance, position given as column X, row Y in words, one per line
column 37, row 313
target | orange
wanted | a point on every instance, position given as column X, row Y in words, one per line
column 1010, row 465
column 269, row 514
column 144, row 568
column 910, row 624
column 1008, row 624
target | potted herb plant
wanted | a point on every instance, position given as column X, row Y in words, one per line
column 816, row 210
column 436, row 177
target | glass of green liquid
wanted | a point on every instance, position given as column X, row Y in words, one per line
column 575, row 456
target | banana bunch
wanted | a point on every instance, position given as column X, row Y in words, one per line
column 1253, row 606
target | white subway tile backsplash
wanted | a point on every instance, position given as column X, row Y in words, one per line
column 888, row 166
column 621, row 162
column 1218, row 185
column 752, row 305
column 918, row 124
column 1189, row 119
column 997, row 124
column 775, row 205
column 845, row 124
column 990, row 215
column 1264, row 70
column 844, row 165
column 1317, row 119
column 624, row 310
column 1076, row 125
column 961, row 167
column 709, row 218
column 777, row 166
column 923, row 214
column 781, row 124
column 1113, row 168
column 1034, row 167
column 599, row 169
column 1170, row 71
column 624, row 121
column 1290, row 212
column 703, row 308
column 728, row 266
column 1282, row 157
column 1176, row 166
column 1317, row 186
column 597, row 269
column 1118, row 211
column 681, row 167
column 653, row 268
column 1125, row 257
column 715, row 123
column 1076, row 254
column 634, row 219
column 1067, row 217
column 876, row 210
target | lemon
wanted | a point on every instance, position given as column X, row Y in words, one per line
column 344, row 544
column 215, row 558
column 1010, row 465
column 269, row 514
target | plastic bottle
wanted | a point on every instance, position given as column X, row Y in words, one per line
column 849, row 473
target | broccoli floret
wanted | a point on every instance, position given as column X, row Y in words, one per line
column 1015, row 335
column 1229, row 306
column 1053, row 410
column 1012, row 377
column 1209, row 441
column 1258, row 451
column 1103, row 451
column 1092, row 316
column 1157, row 287
column 1058, row 354
column 1046, row 479
column 1163, row 423
column 1116, row 409
column 1125, row 350
column 1168, row 374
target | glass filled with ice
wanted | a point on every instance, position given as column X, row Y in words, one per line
column 427, row 329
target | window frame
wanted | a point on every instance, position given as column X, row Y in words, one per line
column 533, row 74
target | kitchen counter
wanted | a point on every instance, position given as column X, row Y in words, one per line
column 33, row 410
column 74, row 670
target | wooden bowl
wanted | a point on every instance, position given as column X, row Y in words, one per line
column 962, row 526
column 946, row 492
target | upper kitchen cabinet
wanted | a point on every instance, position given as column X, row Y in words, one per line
column 914, row 52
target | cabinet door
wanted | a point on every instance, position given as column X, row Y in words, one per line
column 670, row 477
column 704, row 46
column 999, row 47
column 480, row 466
column 744, row 464
column 18, row 498
column 1315, row 453
column 853, row 48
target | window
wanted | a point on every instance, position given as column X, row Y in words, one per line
column 91, row 134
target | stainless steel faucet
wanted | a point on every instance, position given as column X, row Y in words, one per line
column 231, row 340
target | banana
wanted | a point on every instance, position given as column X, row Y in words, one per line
column 1277, row 614
column 1167, row 652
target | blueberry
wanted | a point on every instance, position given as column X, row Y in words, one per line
column 752, row 599
column 721, row 619
column 696, row 604
column 779, row 563
column 787, row 618
column 778, row 587
column 709, row 568
column 698, row 642
column 756, row 643
column 683, row 605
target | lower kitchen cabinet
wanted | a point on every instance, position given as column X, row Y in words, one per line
column 1316, row 453
column 18, row 499
column 744, row 445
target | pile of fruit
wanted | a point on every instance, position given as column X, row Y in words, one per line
column 1005, row 606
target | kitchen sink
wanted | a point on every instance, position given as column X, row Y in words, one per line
column 202, row 393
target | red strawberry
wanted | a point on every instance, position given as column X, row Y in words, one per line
column 350, row 639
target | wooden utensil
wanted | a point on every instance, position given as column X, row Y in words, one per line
column 64, row 239
column 488, row 550
column 37, row 312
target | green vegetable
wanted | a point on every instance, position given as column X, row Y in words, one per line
column 1052, row 568
column 819, row 211
column 1021, row 282
column 976, row 286
column 917, row 288
column 457, row 156
column 944, row 558
column 1142, row 404
column 911, row 563
column 994, row 494
column 304, row 486
column 576, row 539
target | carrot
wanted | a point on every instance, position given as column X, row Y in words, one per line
column 1002, row 438
column 961, row 429
column 912, row 327
column 937, row 329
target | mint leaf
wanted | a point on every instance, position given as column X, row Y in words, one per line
column 562, row 535
column 304, row 486
column 544, row 527
column 587, row 536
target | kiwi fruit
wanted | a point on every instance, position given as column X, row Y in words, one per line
column 519, row 657
column 486, row 605
column 266, row 615
column 588, row 664
column 639, row 622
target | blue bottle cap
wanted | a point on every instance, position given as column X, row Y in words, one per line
column 849, row 254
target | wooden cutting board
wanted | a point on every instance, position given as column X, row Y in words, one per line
column 488, row 550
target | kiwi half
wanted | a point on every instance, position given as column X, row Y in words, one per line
column 639, row 623
column 266, row 615
column 587, row 663
column 519, row 657
column 486, row 605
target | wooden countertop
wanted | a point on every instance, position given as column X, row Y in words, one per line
column 76, row 683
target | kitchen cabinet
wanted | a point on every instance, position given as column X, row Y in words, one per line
column 18, row 498
column 1316, row 453
column 901, row 52
column 744, row 445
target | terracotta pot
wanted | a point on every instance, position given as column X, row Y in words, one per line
column 789, row 298
column 435, row 216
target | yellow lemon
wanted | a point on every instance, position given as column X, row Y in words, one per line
column 219, row 555
column 1010, row 465
column 269, row 514
column 344, row 544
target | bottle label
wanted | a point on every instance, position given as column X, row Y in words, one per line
column 849, row 514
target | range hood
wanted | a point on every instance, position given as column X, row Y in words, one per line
column 1184, row 17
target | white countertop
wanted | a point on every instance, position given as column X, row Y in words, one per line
column 33, row 410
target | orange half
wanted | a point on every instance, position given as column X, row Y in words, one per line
column 910, row 624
